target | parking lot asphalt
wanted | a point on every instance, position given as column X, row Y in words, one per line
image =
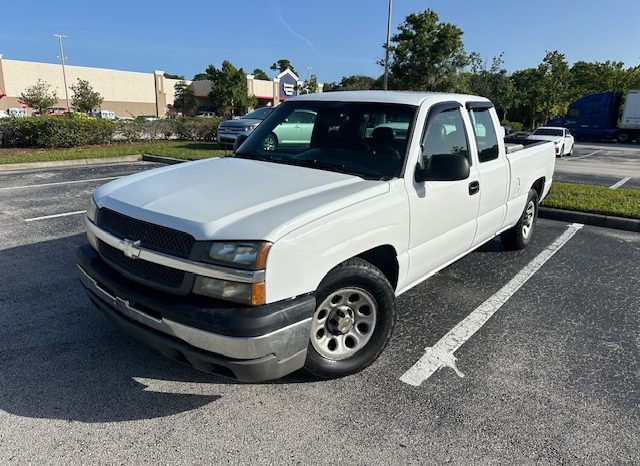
column 552, row 377
column 605, row 164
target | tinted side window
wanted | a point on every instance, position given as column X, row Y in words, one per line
column 445, row 135
column 485, row 134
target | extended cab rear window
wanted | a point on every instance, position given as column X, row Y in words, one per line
column 485, row 134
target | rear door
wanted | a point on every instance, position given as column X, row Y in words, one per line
column 493, row 170
column 443, row 213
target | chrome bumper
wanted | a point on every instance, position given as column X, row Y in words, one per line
column 283, row 343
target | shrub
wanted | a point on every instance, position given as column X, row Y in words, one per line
column 185, row 129
column 516, row 125
column 56, row 131
column 75, row 129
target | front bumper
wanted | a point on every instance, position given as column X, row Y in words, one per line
column 249, row 344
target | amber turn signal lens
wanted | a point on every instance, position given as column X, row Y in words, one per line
column 258, row 294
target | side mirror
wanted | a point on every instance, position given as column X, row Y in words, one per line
column 444, row 167
column 239, row 140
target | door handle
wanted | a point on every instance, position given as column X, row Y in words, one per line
column 474, row 188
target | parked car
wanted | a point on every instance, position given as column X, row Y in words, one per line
column 289, row 257
column 206, row 115
column 561, row 138
column 3, row 114
column 229, row 130
column 56, row 111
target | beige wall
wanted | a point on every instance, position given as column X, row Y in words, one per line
column 122, row 86
column 127, row 93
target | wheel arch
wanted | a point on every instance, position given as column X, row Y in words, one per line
column 538, row 187
column 385, row 258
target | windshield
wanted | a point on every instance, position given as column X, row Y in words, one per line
column 362, row 139
column 547, row 132
column 259, row 113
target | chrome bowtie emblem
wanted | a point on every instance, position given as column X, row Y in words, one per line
column 131, row 248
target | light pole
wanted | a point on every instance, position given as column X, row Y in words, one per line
column 386, row 49
column 64, row 74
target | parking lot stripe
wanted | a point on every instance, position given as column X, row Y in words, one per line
column 66, row 214
column 583, row 156
column 59, row 183
column 441, row 354
column 620, row 183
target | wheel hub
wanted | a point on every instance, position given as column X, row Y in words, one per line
column 341, row 320
column 343, row 323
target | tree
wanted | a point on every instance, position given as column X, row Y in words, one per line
column 426, row 54
column 283, row 64
column 84, row 97
column 491, row 81
column 259, row 74
column 555, row 79
column 200, row 77
column 229, row 92
column 309, row 86
column 174, row 76
column 39, row 96
column 356, row 83
column 185, row 100
column 526, row 95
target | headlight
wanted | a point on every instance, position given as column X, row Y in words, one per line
column 92, row 209
column 246, row 293
column 241, row 254
column 251, row 127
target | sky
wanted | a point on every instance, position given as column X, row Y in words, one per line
column 335, row 38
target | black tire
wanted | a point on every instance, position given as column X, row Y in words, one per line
column 519, row 237
column 361, row 275
column 270, row 142
column 624, row 138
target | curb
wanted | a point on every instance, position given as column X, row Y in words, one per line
column 70, row 163
column 161, row 159
column 598, row 220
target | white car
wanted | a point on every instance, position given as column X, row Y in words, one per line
column 3, row 114
column 290, row 256
column 561, row 138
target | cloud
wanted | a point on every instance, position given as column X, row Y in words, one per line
column 292, row 31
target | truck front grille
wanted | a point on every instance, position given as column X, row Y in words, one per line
column 147, row 271
column 151, row 236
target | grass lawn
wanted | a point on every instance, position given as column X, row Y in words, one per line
column 185, row 150
column 594, row 199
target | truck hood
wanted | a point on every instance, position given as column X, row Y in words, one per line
column 239, row 199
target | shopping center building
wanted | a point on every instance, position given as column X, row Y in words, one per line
column 128, row 93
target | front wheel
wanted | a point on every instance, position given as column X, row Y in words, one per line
column 270, row 142
column 353, row 321
column 519, row 236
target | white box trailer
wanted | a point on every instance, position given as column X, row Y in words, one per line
column 631, row 111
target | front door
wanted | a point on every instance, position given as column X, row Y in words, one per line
column 443, row 213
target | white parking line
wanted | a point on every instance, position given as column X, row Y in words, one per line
column 583, row 156
column 59, row 183
column 66, row 214
column 620, row 183
column 441, row 354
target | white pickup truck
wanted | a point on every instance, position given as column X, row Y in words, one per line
column 284, row 257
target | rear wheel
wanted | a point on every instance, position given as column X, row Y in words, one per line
column 623, row 137
column 353, row 321
column 519, row 236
